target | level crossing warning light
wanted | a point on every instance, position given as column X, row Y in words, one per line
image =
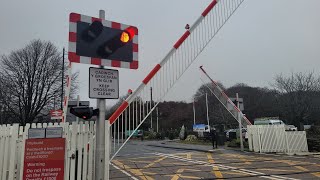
column 101, row 42
column 84, row 112
column 111, row 46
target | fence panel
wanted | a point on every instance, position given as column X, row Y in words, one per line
column 5, row 163
column 2, row 147
column 297, row 141
column 79, row 156
column 253, row 138
column 274, row 138
column 12, row 152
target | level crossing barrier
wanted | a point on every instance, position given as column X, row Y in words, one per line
column 274, row 138
column 139, row 105
column 222, row 97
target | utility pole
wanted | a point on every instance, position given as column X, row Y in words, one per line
column 54, row 102
column 194, row 112
column 207, row 109
column 151, row 107
column 240, row 123
column 100, row 172
column 62, row 77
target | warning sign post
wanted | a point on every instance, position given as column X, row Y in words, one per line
column 44, row 159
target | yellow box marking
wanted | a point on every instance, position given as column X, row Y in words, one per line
column 154, row 162
column 317, row 174
column 136, row 172
column 188, row 155
column 179, row 175
column 216, row 171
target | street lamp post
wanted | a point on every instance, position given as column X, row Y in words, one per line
column 207, row 107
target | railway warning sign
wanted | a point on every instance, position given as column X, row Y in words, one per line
column 103, row 83
column 44, row 159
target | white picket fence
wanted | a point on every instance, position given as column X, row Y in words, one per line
column 79, row 157
column 274, row 138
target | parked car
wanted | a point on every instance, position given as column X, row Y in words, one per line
column 228, row 131
column 291, row 128
column 244, row 133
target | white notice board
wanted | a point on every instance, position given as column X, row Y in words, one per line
column 103, row 83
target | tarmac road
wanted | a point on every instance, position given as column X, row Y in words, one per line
column 168, row 160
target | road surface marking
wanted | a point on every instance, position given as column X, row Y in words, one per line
column 316, row 174
column 279, row 170
column 149, row 173
column 233, row 173
column 145, row 157
column 234, row 169
column 216, row 171
column 241, row 158
column 188, row 155
column 179, row 175
column 294, row 164
column 124, row 172
column 154, row 162
column 147, row 162
column 136, row 172
column 174, row 163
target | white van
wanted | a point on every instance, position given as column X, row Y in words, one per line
column 268, row 122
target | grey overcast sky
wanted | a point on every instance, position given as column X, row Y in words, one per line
column 263, row 38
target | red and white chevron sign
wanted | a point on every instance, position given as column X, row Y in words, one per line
column 56, row 114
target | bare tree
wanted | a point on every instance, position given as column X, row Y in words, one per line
column 32, row 78
column 296, row 92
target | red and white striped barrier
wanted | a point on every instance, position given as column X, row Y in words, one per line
column 136, row 109
column 228, row 100
column 67, row 92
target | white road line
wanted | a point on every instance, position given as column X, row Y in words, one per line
column 245, row 171
column 124, row 172
column 136, row 154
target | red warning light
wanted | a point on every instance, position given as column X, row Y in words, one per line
column 127, row 34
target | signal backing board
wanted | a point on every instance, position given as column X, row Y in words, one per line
column 89, row 35
column 103, row 83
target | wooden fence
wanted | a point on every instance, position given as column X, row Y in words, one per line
column 79, row 157
column 274, row 138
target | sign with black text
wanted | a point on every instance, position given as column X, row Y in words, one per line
column 103, row 83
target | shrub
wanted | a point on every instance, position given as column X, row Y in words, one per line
column 236, row 143
column 160, row 136
column 152, row 135
column 191, row 138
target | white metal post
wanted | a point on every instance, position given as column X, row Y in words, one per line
column 157, row 120
column 194, row 113
column 151, row 127
column 100, row 157
column 240, row 123
column 207, row 109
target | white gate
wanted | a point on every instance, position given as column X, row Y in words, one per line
column 79, row 160
column 274, row 138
